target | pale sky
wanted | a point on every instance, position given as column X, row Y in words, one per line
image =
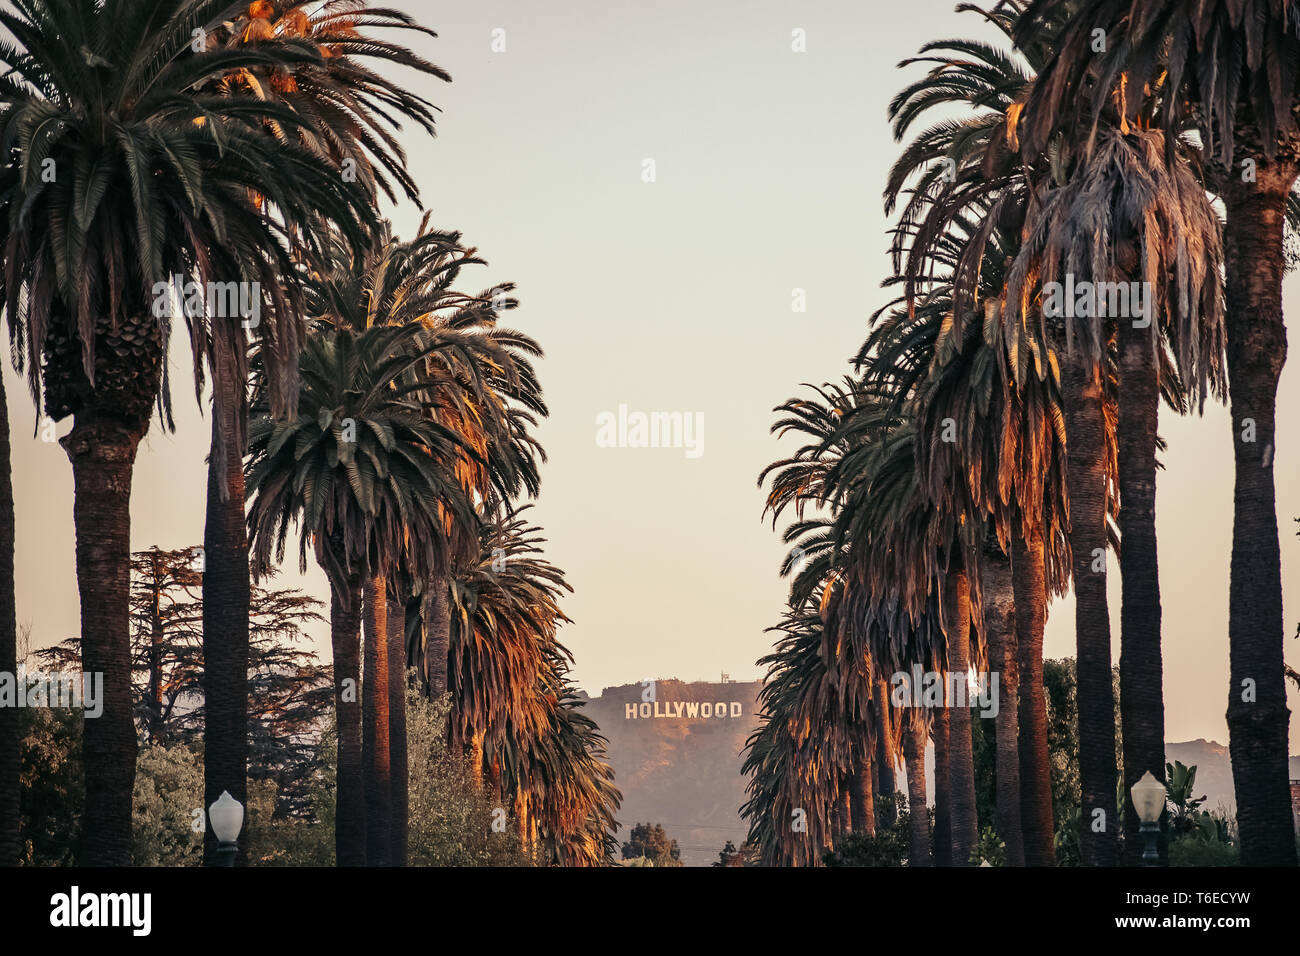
column 676, row 296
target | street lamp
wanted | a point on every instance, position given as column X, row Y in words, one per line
column 227, row 816
column 1149, row 800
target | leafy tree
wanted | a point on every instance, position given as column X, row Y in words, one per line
column 288, row 688
column 652, row 843
column 52, row 785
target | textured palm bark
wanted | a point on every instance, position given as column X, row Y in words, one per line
column 1258, row 717
column 1141, row 670
column 846, row 803
column 886, row 784
column 1085, row 431
column 1000, row 626
column 918, row 852
column 862, row 797
column 397, row 756
column 103, row 457
column 350, row 794
column 961, row 759
column 1036, row 819
column 939, row 730
column 225, row 634
column 438, row 630
column 9, row 716
column 374, row 723
column 476, row 761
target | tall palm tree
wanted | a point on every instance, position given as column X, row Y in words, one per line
column 1161, row 227
column 988, row 183
column 9, row 716
column 367, row 474
column 513, row 706
column 480, row 385
column 799, row 482
column 1225, row 67
column 119, row 174
column 349, row 112
column 981, row 380
column 486, row 389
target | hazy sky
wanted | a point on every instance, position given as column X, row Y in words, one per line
column 676, row 296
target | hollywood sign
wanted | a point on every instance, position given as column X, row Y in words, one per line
column 689, row 709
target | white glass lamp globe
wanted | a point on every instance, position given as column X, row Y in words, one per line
column 227, row 816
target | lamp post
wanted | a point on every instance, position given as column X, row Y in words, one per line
column 227, row 816
column 1149, row 801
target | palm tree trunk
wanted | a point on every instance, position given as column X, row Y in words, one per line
column 398, row 765
column 350, row 796
column 862, row 799
column 475, row 759
column 225, row 625
column 103, row 458
column 939, row 730
column 438, row 631
column 961, row 759
column 9, row 743
column 1258, row 717
column 1030, row 587
column 1000, row 626
column 886, row 785
column 919, row 820
column 1141, row 671
column 374, row 723
column 1085, row 431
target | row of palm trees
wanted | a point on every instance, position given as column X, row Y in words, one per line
column 373, row 409
column 990, row 450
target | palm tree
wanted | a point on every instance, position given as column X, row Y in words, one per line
column 9, row 716
column 791, row 772
column 986, row 182
column 480, row 386
column 120, row 174
column 513, row 706
column 984, row 394
column 799, row 482
column 347, row 110
column 1225, row 68
column 367, row 474
column 1162, row 228
column 485, row 389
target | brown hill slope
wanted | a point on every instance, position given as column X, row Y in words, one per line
column 677, row 766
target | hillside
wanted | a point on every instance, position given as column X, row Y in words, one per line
column 681, row 768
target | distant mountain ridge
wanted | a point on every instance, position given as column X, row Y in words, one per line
column 1213, row 770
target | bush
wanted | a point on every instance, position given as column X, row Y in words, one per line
column 1191, row 851
column 167, row 806
column 888, row 847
